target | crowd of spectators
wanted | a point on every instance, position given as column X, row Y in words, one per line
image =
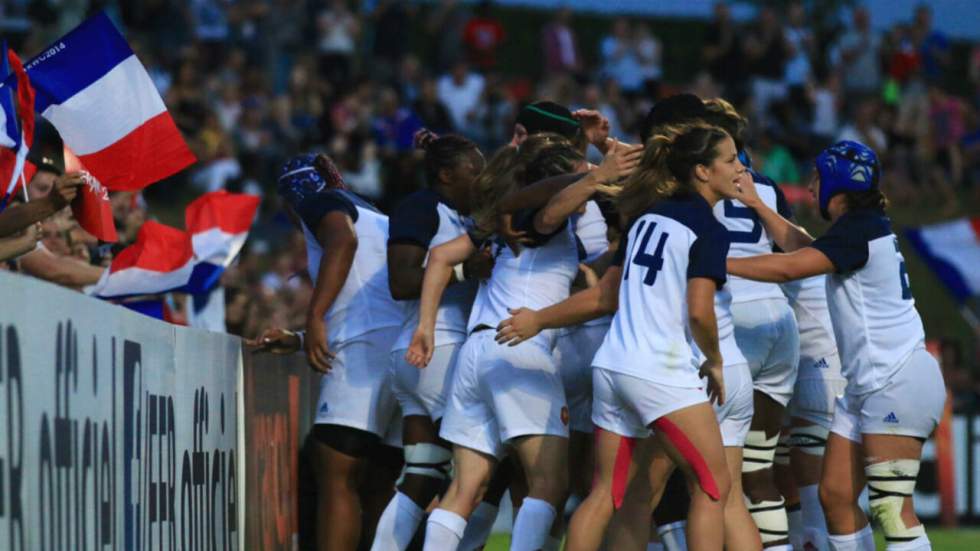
column 250, row 82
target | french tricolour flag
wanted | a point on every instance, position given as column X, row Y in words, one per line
column 161, row 259
column 952, row 251
column 16, row 122
column 218, row 223
column 99, row 96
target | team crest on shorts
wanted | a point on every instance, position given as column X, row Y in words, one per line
column 564, row 415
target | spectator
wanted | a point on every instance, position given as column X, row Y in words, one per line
column 858, row 53
column 559, row 45
column 825, row 96
column 445, row 25
column 431, row 110
column 775, row 161
column 722, row 51
column 800, row 48
column 392, row 23
column 337, row 32
column 620, row 59
column 863, row 128
column 482, row 36
column 394, row 126
column 649, row 51
column 933, row 46
column 460, row 90
column 766, row 53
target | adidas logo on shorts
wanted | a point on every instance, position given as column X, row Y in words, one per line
column 891, row 418
column 822, row 363
column 324, row 407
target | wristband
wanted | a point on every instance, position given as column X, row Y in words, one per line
column 458, row 270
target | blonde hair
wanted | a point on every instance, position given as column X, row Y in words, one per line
column 723, row 114
column 511, row 167
column 669, row 156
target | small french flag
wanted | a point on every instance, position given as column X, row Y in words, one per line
column 218, row 223
column 99, row 96
column 91, row 207
column 161, row 260
column 16, row 123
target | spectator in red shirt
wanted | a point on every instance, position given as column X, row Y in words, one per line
column 482, row 35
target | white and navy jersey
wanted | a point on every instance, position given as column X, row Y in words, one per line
column 871, row 306
column 675, row 240
column 541, row 275
column 748, row 237
column 808, row 297
column 592, row 232
column 427, row 219
column 364, row 303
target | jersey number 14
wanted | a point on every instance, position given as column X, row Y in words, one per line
column 653, row 262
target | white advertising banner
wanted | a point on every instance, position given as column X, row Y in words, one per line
column 117, row 432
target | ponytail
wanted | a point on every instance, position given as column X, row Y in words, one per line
column 669, row 157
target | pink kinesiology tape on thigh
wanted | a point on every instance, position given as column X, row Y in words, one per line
column 621, row 469
column 690, row 454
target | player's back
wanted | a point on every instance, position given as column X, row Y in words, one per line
column 364, row 302
column 427, row 219
column 538, row 276
column 675, row 240
column 875, row 321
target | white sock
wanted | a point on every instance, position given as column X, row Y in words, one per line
column 920, row 543
column 478, row 528
column 862, row 540
column 552, row 544
column 795, row 519
column 672, row 536
column 814, row 523
column 397, row 524
column 532, row 525
column 443, row 531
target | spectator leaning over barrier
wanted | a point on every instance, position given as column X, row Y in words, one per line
column 59, row 191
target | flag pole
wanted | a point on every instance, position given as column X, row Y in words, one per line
column 23, row 184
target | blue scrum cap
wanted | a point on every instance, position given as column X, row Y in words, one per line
column 846, row 166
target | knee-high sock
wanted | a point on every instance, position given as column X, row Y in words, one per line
column 443, row 531
column 862, row 540
column 920, row 543
column 478, row 528
column 397, row 524
column 794, row 515
column 814, row 523
column 532, row 525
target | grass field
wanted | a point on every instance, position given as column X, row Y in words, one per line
column 962, row 539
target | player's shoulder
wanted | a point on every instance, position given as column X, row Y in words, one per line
column 691, row 211
column 863, row 224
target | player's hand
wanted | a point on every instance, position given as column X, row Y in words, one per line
column 66, row 188
column 317, row 350
column 714, row 373
column 479, row 265
column 420, row 349
column 618, row 163
column 589, row 275
column 595, row 126
column 514, row 239
column 521, row 326
column 276, row 341
column 423, row 137
column 746, row 192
